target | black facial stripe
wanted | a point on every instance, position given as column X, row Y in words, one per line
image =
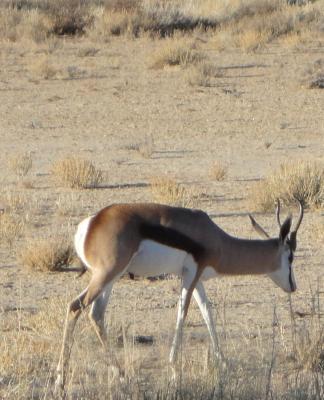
column 291, row 257
column 290, row 279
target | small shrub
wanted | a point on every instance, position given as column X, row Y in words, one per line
column 49, row 254
column 303, row 181
column 175, row 52
column 11, row 228
column 195, row 77
column 252, row 40
column 77, row 173
column 109, row 23
column 256, row 23
column 70, row 17
column 218, row 171
column 21, row 164
column 167, row 191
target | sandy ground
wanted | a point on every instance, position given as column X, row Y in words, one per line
column 254, row 117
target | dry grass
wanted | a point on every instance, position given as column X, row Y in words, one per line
column 249, row 24
column 303, row 181
column 30, row 346
column 109, row 23
column 167, row 191
column 254, row 32
column 11, row 228
column 20, row 164
column 176, row 52
column 66, row 205
column 77, row 173
column 23, row 24
column 51, row 254
column 14, row 201
column 218, row 171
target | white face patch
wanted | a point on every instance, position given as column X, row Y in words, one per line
column 284, row 275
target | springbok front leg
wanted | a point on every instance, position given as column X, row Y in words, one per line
column 189, row 278
column 201, row 298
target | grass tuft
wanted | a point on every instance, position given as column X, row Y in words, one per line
column 203, row 73
column 21, row 164
column 52, row 254
column 176, row 52
column 167, row 191
column 14, row 201
column 11, row 228
column 218, row 171
column 77, row 173
column 303, row 181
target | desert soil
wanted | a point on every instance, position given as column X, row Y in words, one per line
column 256, row 115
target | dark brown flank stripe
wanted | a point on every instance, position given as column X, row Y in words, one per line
column 172, row 238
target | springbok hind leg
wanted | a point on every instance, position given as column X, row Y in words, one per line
column 97, row 314
column 97, row 320
column 73, row 312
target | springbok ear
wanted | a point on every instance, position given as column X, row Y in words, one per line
column 285, row 229
column 258, row 228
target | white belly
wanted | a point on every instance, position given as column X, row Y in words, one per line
column 154, row 259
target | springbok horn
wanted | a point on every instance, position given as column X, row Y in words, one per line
column 293, row 235
column 278, row 213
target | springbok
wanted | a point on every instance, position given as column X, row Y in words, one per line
column 153, row 239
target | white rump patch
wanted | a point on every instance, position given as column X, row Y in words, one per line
column 79, row 239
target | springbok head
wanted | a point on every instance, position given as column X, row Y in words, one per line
column 283, row 275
